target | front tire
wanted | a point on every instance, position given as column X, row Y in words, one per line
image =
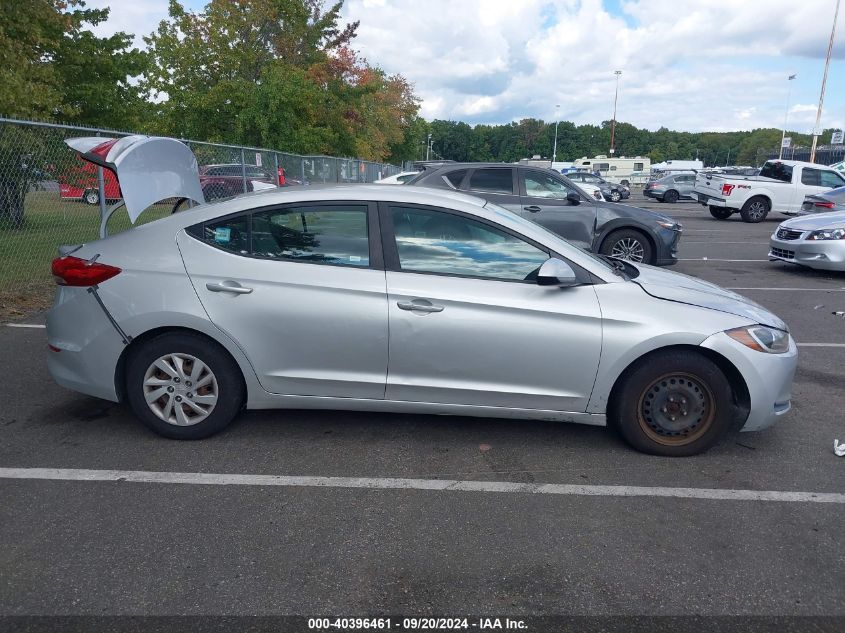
column 720, row 213
column 184, row 386
column 615, row 196
column 673, row 403
column 629, row 245
column 755, row 210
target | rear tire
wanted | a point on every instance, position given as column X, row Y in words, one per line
column 615, row 196
column 199, row 386
column 629, row 245
column 755, row 209
column 671, row 196
column 720, row 213
column 673, row 403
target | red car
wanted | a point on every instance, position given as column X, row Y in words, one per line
column 225, row 181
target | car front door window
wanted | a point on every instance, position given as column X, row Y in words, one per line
column 430, row 241
column 539, row 185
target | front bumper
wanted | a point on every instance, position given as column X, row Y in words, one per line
column 767, row 376
column 818, row 254
column 667, row 241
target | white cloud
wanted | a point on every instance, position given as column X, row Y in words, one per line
column 700, row 64
column 692, row 65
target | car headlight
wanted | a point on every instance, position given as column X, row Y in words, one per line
column 670, row 225
column 761, row 338
column 828, row 234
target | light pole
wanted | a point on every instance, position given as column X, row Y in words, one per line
column 613, row 123
column 557, row 120
column 428, row 148
column 824, row 82
column 786, row 115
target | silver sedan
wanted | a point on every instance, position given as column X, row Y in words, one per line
column 816, row 241
column 406, row 299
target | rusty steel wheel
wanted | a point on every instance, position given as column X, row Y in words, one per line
column 676, row 409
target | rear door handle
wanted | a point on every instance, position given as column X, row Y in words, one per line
column 532, row 209
column 229, row 286
column 419, row 305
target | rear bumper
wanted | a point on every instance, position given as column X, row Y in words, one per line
column 89, row 346
column 821, row 255
column 767, row 376
column 707, row 200
column 650, row 193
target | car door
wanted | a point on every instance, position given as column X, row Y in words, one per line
column 301, row 289
column 544, row 200
column 684, row 184
column 468, row 325
column 496, row 184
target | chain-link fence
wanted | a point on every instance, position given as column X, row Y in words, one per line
column 49, row 197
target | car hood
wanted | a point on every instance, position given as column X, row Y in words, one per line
column 673, row 286
column 816, row 221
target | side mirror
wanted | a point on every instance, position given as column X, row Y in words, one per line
column 556, row 272
column 573, row 197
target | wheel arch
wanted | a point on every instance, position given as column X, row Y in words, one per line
column 763, row 196
column 739, row 388
column 138, row 341
column 621, row 225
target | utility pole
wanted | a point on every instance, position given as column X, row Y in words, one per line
column 816, row 130
column 428, row 148
column 557, row 120
column 786, row 115
column 613, row 123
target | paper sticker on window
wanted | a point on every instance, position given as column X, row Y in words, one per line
column 222, row 234
column 354, row 258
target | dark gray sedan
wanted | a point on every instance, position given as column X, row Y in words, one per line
column 671, row 188
column 556, row 203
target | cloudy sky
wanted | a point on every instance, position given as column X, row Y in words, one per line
column 691, row 65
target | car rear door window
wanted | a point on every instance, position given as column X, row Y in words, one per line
column 777, row 171
column 313, row 234
column 431, row 241
column 810, row 177
column 230, row 234
column 493, row 180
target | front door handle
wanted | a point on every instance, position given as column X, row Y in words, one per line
column 229, row 286
column 419, row 305
column 532, row 209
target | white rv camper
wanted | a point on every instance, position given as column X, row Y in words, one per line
column 618, row 169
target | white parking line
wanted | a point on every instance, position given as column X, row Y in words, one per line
column 713, row 259
column 26, row 325
column 820, row 344
column 437, row 485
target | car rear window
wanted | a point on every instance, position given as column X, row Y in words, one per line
column 777, row 171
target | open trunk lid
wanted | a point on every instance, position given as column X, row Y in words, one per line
column 148, row 168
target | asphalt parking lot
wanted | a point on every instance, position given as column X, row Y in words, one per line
column 374, row 546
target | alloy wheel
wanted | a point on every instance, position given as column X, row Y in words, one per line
column 757, row 210
column 628, row 248
column 180, row 389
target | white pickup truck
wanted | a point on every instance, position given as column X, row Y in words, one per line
column 781, row 186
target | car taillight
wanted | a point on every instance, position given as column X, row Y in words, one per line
column 73, row 271
column 824, row 205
